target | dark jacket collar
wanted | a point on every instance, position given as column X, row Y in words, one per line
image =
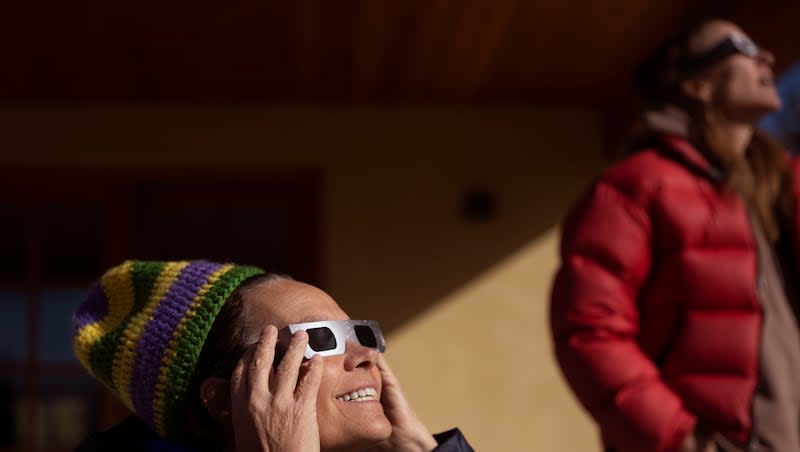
column 667, row 129
column 681, row 150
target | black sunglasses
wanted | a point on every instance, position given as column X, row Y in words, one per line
column 733, row 44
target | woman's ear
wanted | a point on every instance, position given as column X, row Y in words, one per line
column 697, row 89
column 215, row 395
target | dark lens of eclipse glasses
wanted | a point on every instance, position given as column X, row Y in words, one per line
column 365, row 336
column 321, row 339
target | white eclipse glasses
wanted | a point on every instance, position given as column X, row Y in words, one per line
column 329, row 337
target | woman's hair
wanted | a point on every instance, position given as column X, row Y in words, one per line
column 224, row 346
column 762, row 177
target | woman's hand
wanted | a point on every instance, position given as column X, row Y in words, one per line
column 276, row 410
column 409, row 434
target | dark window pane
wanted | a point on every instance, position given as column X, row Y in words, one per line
column 72, row 242
column 186, row 232
column 55, row 319
column 260, row 234
column 64, row 411
column 13, row 243
column 12, row 325
column 9, row 390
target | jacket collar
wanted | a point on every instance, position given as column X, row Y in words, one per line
column 670, row 124
column 679, row 149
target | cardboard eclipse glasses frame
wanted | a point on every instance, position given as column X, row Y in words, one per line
column 329, row 337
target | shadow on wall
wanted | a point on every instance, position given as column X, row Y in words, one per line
column 401, row 240
column 397, row 240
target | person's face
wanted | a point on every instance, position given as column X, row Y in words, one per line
column 740, row 87
column 342, row 425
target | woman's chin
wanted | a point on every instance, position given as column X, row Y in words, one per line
column 371, row 432
column 378, row 431
column 772, row 105
column 772, row 102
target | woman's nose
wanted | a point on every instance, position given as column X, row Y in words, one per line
column 766, row 57
column 356, row 355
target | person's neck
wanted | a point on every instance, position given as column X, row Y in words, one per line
column 738, row 135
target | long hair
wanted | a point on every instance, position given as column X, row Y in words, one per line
column 762, row 176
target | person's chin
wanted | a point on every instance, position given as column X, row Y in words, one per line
column 363, row 440
column 772, row 101
column 376, row 428
column 362, row 433
column 382, row 429
column 765, row 107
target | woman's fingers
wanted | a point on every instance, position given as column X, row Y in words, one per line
column 267, row 414
column 408, row 431
column 383, row 365
column 260, row 365
column 308, row 386
column 289, row 367
column 239, row 380
column 388, row 377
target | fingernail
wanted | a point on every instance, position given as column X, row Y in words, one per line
column 269, row 329
column 300, row 334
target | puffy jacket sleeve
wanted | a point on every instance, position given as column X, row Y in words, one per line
column 606, row 256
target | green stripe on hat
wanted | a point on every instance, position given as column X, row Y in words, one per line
column 101, row 355
column 190, row 344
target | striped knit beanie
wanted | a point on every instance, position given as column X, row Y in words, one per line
column 142, row 326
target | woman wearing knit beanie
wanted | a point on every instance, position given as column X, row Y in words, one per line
column 225, row 357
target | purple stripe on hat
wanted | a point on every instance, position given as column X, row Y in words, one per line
column 158, row 332
column 93, row 308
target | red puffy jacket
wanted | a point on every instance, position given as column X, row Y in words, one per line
column 654, row 312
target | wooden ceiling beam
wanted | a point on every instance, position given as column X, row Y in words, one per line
column 483, row 49
column 307, row 38
column 471, row 52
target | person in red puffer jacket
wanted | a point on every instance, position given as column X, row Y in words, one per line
column 673, row 313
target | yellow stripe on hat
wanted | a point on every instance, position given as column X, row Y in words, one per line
column 159, row 400
column 119, row 289
column 126, row 351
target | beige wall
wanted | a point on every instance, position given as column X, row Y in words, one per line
column 465, row 303
column 491, row 372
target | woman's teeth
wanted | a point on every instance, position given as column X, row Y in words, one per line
column 362, row 395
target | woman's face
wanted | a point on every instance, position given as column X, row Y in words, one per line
column 342, row 425
column 741, row 87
